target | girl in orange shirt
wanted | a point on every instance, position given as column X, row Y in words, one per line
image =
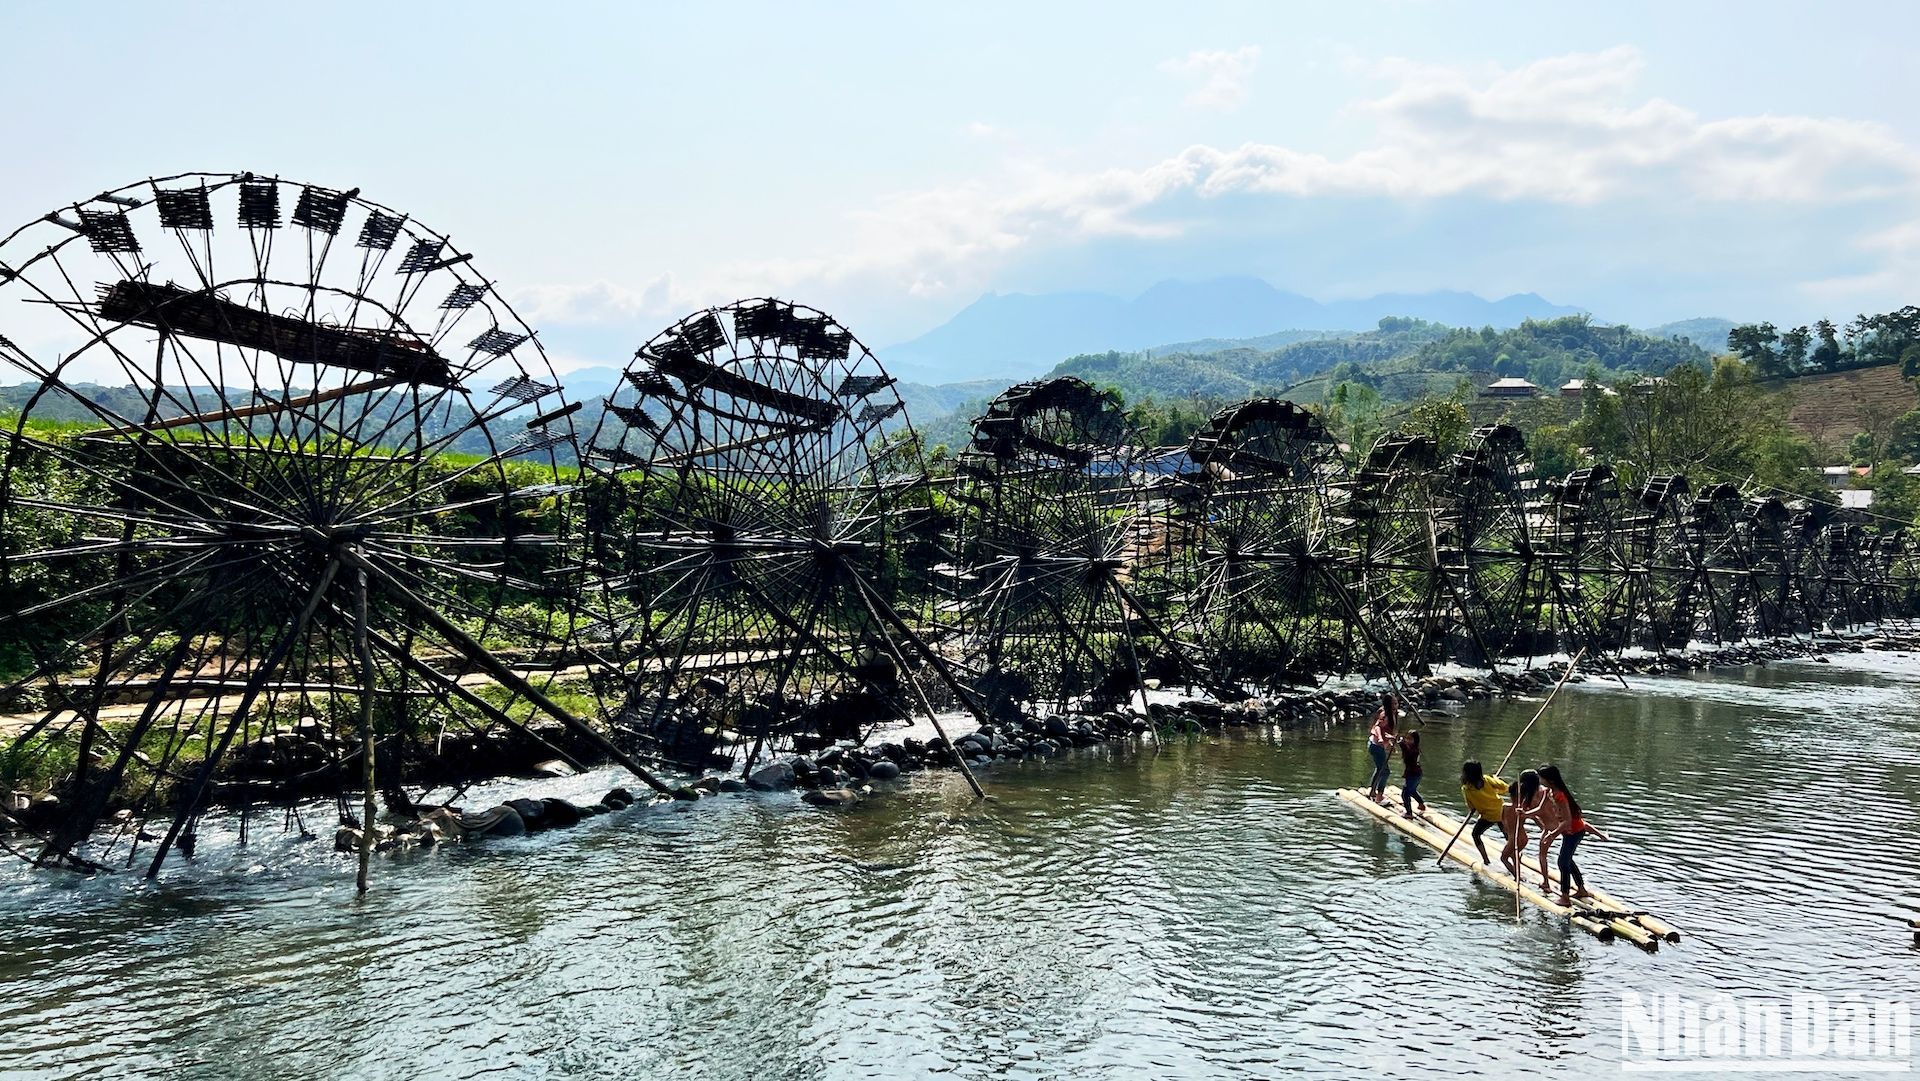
column 1572, row 828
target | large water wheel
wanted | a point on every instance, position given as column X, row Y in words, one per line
column 1723, row 557
column 1259, row 600
column 1484, row 528
column 1054, row 544
column 1663, row 574
column 1581, row 537
column 286, row 474
column 1391, row 555
column 1773, row 567
column 759, row 513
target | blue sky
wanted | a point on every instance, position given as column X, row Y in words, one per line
column 616, row 165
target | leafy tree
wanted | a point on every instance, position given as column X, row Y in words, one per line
column 1793, row 349
column 1827, row 355
column 1754, row 343
column 1884, row 339
column 1903, row 436
column 1554, row 449
column 1353, row 414
column 1444, row 419
column 1896, row 493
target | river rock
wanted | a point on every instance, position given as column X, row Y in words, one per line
column 552, row 767
column 557, row 813
column 496, row 821
column 533, row 812
column 832, row 797
column 883, row 770
column 771, row 777
column 732, row 784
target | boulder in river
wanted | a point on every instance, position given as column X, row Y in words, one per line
column 771, row 777
column 496, row 821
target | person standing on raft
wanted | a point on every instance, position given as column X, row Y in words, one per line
column 1484, row 796
column 1571, row 827
column 1381, row 739
column 1410, row 773
column 1524, row 799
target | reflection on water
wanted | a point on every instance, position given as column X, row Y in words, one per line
column 1204, row 910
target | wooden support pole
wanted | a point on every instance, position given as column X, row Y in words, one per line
column 880, row 611
column 367, row 681
column 491, row 665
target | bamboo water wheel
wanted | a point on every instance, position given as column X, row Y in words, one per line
column 1391, row 556
column 1582, row 539
column 1484, row 526
column 1663, row 574
column 758, row 521
column 1054, row 543
column 291, row 471
column 1260, row 606
column 1771, row 567
column 1721, row 555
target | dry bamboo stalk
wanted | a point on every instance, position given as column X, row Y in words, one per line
column 1424, row 833
column 1638, row 929
column 366, row 726
column 1502, row 767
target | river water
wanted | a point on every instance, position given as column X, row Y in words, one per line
column 1202, row 910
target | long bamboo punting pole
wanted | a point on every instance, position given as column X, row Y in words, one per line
column 1501, row 768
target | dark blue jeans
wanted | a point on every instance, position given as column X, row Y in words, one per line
column 1379, row 754
column 1410, row 794
column 1570, row 876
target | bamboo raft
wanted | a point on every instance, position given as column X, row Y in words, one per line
column 1602, row 915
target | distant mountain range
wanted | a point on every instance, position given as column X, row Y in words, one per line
column 1016, row 335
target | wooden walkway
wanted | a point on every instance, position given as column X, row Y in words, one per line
column 1602, row 915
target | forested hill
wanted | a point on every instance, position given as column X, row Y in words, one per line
column 1401, row 360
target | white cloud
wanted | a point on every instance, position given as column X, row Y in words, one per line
column 1567, row 131
column 1221, row 75
column 599, row 301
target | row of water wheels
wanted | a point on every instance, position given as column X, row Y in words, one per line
column 291, row 502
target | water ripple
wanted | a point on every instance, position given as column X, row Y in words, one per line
column 1203, row 910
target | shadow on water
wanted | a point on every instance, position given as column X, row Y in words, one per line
column 1202, row 909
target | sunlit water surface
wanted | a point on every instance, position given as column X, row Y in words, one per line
column 1202, row 910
